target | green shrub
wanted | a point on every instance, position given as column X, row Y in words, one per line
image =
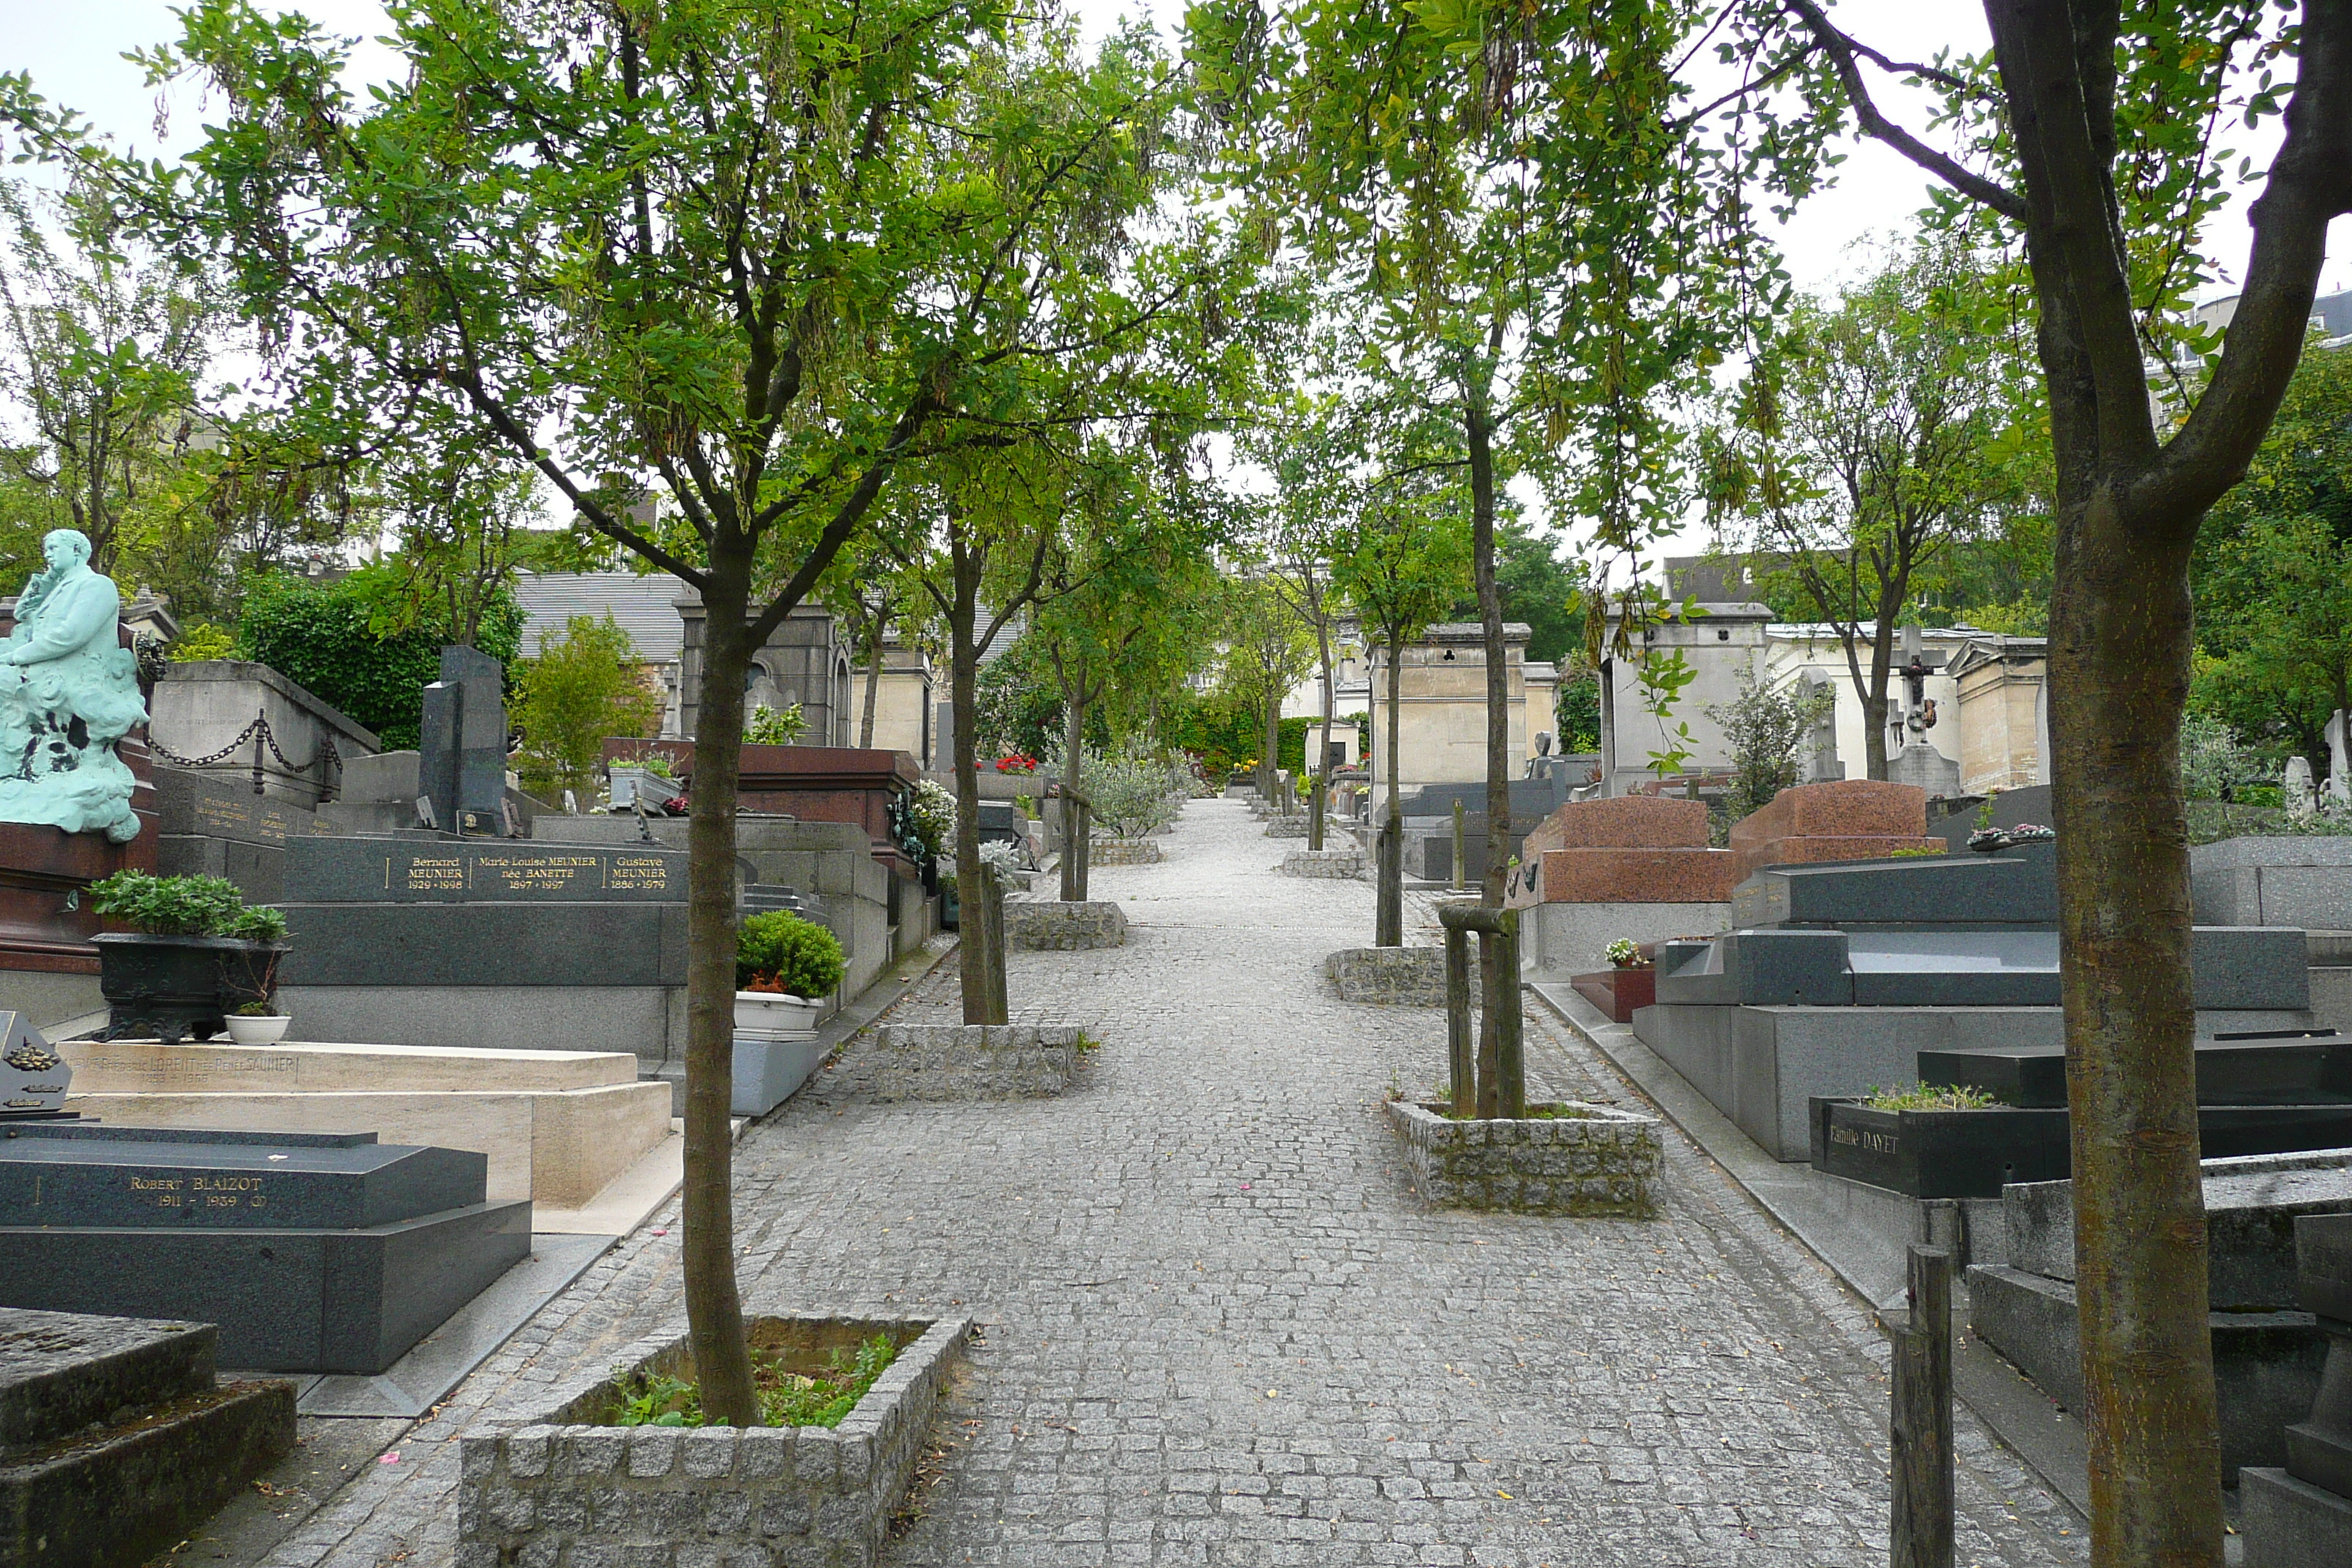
column 584, row 687
column 184, row 906
column 780, row 950
column 786, row 1398
column 767, row 726
column 200, row 641
column 337, row 641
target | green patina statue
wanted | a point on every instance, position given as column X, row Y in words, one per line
column 68, row 691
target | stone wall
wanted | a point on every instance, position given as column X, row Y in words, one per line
column 1390, row 976
column 558, row 1495
column 956, row 1061
column 1054, row 925
column 199, row 707
column 1588, row 1161
column 1124, row 852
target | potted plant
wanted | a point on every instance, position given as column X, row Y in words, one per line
column 785, row 968
column 257, row 1023
column 194, row 952
column 1627, row 985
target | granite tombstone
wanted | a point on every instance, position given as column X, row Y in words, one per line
column 462, row 765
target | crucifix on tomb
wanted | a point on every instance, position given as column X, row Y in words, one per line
column 1917, row 715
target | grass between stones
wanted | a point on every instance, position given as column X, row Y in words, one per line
column 788, row 1397
column 1939, row 1097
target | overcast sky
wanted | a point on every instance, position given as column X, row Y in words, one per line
column 73, row 49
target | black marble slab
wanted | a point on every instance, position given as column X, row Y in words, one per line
column 2015, row 888
column 284, row 1300
column 104, row 1182
column 485, row 943
column 2271, row 1067
column 411, row 870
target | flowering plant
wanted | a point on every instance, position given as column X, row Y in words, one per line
column 1015, row 763
column 1624, row 953
column 2032, row 833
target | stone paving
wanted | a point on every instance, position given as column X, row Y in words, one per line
column 1217, row 1327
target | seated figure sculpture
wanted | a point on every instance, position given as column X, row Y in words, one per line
column 68, row 691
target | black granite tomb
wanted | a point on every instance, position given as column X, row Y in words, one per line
column 324, row 1252
column 2017, row 888
column 425, row 912
column 116, row 1439
column 2300, row 1516
column 1975, row 1153
column 212, row 826
column 2270, row 1067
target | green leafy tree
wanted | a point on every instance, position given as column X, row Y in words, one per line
column 1268, row 650
column 1512, row 195
column 1404, row 568
column 2273, row 573
column 584, row 687
column 758, row 255
column 103, row 351
column 2090, row 134
column 328, row 639
column 1865, row 445
column 1763, row 726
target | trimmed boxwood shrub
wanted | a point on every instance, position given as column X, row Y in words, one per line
column 780, row 950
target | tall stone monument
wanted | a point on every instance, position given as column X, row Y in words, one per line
column 462, row 767
column 2339, row 758
column 73, row 777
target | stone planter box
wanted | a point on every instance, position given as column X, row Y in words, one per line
column 1390, row 976
column 1053, row 925
column 1338, row 864
column 566, row 1493
column 1617, row 991
column 1286, row 827
column 1589, row 1162
column 958, row 1061
column 768, row 1072
column 179, row 987
column 1124, row 852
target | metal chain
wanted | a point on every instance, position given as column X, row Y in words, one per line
column 259, row 731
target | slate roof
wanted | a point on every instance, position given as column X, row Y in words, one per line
column 645, row 607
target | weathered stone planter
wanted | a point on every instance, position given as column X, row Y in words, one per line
column 566, row 1491
column 1390, row 976
column 958, row 1061
column 1286, row 827
column 1587, row 1161
column 1124, row 852
column 1054, row 925
column 1339, row 865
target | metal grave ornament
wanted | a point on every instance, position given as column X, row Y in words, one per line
column 33, row 1076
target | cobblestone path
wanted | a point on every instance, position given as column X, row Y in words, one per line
column 1218, row 1327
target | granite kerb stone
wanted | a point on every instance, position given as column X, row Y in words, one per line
column 1335, row 864
column 559, row 1490
column 1053, row 925
column 958, row 1061
column 1589, row 1162
column 1388, row 977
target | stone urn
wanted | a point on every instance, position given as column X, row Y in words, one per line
column 178, row 987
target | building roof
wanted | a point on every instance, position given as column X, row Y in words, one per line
column 644, row 605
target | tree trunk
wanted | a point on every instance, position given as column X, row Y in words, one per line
column 984, row 999
column 872, row 681
column 1074, row 824
column 1499, row 674
column 1267, row 762
column 2121, row 633
column 1388, row 919
column 714, row 1306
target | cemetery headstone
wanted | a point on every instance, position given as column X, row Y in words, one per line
column 2298, row 791
column 313, row 1252
column 2339, row 758
column 33, row 1077
column 463, row 766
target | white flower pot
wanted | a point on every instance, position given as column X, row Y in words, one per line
column 767, row 1014
column 248, row 1030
